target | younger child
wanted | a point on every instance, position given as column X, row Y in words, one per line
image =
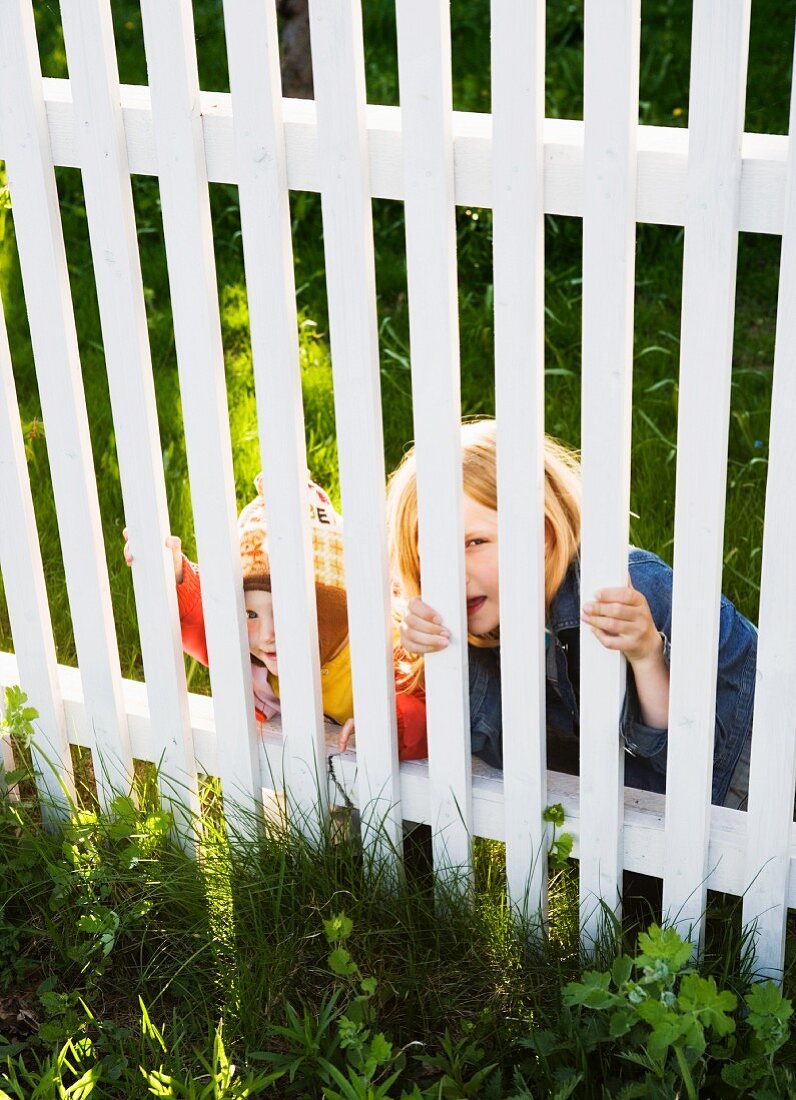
column 335, row 655
column 635, row 619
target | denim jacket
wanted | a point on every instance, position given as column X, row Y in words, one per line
column 645, row 762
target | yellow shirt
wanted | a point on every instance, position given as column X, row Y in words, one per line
column 336, row 687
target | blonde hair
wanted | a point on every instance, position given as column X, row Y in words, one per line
column 479, row 476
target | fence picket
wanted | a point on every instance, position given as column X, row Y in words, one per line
column 185, row 202
column 424, row 68
column 773, row 767
column 29, row 612
column 611, row 75
column 339, row 78
column 43, row 261
column 518, row 35
column 88, row 32
column 718, row 75
column 252, row 48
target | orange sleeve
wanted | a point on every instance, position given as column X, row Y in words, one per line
column 411, row 715
column 410, row 709
column 192, row 616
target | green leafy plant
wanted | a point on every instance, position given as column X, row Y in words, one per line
column 669, row 1018
column 61, row 1075
column 337, row 1047
column 768, row 1022
column 461, row 1063
column 220, row 1080
column 560, row 843
column 18, row 718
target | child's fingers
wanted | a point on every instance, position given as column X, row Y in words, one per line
column 425, row 626
column 420, row 611
column 419, row 641
column 625, row 595
column 346, row 735
column 611, row 616
column 610, row 641
column 422, row 630
column 174, row 543
column 622, row 604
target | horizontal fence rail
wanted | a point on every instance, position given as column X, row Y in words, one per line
column 643, row 828
column 712, row 179
column 662, row 152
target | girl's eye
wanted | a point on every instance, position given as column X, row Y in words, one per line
column 251, row 614
column 475, row 542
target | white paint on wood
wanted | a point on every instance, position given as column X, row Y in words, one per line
column 39, row 236
column 424, row 68
column 28, row 610
column 339, row 79
column 268, row 256
column 518, row 35
column 611, row 74
column 773, row 767
column 662, row 156
column 185, row 203
column 88, row 33
column 718, row 75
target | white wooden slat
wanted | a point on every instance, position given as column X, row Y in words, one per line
column 252, row 47
column 185, row 203
column 719, row 49
column 773, row 766
column 43, row 261
column 88, row 31
column 662, row 156
column 339, row 79
column 611, row 75
column 518, row 36
column 424, row 68
column 29, row 612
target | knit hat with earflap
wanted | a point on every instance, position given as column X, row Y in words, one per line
column 327, row 553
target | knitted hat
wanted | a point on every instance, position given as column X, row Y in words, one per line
column 327, row 552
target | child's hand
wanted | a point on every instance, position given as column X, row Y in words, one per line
column 173, row 543
column 421, row 629
column 346, row 735
column 620, row 619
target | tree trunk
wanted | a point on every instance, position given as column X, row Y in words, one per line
column 296, row 62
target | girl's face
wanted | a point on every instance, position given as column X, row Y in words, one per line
column 481, row 566
column 260, row 623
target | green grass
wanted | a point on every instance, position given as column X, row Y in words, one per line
column 123, row 958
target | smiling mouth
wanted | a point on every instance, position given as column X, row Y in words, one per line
column 258, row 663
column 475, row 604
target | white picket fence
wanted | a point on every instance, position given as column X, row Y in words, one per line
column 712, row 179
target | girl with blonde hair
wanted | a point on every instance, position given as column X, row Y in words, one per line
column 634, row 619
